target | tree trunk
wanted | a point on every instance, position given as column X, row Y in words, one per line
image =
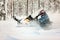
column 38, row 4
column 27, row 8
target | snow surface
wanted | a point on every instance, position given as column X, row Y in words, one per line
column 11, row 30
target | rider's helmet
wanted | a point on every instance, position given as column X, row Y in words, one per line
column 42, row 12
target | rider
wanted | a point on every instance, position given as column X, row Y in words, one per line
column 44, row 17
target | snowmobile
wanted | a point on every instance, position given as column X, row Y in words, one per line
column 42, row 18
column 23, row 20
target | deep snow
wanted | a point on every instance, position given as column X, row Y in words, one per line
column 9, row 30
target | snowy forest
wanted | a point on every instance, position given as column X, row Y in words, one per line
column 18, row 20
column 27, row 7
